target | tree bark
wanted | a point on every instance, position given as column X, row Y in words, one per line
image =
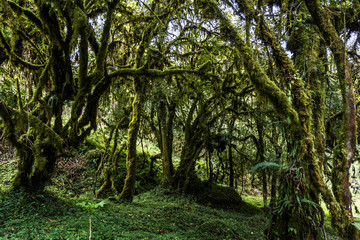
column 231, row 167
column 185, row 177
column 37, row 156
column 344, row 150
column 128, row 190
column 261, row 152
column 166, row 119
column 273, row 199
column 274, row 138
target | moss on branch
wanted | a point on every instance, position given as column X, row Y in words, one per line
column 137, row 72
column 101, row 55
column 30, row 15
column 14, row 57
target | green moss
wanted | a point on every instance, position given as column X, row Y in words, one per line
column 138, row 102
column 339, row 168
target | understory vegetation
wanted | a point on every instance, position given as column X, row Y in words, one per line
column 58, row 213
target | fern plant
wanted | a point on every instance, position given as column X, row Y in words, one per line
column 264, row 165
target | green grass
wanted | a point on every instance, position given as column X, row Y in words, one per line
column 152, row 215
column 56, row 214
column 7, row 167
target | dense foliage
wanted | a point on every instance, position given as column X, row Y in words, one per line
column 189, row 95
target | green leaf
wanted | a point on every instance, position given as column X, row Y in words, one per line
column 81, row 204
column 100, row 204
column 298, row 200
column 333, row 3
column 309, row 202
column 263, row 165
column 357, row 225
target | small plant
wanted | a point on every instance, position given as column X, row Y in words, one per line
column 90, row 206
column 356, row 223
column 292, row 230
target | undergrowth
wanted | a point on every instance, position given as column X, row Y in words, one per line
column 152, row 215
column 59, row 213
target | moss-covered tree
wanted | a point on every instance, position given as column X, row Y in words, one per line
column 299, row 114
column 60, row 28
column 344, row 152
column 73, row 64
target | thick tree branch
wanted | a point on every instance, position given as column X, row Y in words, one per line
column 15, row 57
column 30, row 15
column 104, row 42
column 261, row 81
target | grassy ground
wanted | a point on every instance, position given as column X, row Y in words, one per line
column 59, row 213
column 152, row 215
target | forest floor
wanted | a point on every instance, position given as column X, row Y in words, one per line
column 64, row 212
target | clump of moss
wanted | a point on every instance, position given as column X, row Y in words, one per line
column 220, row 197
column 218, row 228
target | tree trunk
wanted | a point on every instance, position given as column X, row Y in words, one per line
column 128, row 190
column 274, row 139
column 231, row 167
column 344, row 150
column 37, row 157
column 317, row 86
column 209, row 169
column 109, row 169
column 185, row 177
column 222, row 166
column 24, row 165
column 264, row 188
column 35, row 167
column 273, row 199
column 261, row 152
column 166, row 119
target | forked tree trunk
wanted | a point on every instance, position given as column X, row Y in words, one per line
column 35, row 167
column 185, row 178
column 34, row 172
column 108, row 170
column 36, row 157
